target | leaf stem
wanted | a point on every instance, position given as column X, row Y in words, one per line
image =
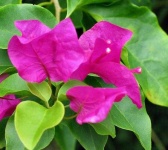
column 157, row 141
column 57, row 9
column 44, row 4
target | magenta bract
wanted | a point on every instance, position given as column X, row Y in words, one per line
column 92, row 105
column 102, row 45
column 8, row 105
column 42, row 53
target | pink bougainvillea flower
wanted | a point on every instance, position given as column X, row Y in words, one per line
column 92, row 105
column 102, row 45
column 8, row 103
column 42, row 52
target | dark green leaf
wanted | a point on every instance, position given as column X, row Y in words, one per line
column 127, row 116
column 64, row 137
column 87, row 136
column 2, row 132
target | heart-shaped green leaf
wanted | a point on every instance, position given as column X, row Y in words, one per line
column 32, row 119
column 41, row 90
column 13, row 142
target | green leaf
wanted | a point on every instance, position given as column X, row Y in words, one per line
column 66, row 86
column 127, row 116
column 13, row 84
column 105, row 127
column 6, row 2
column 13, row 142
column 46, row 139
column 64, row 137
column 2, row 132
column 6, row 69
column 32, row 119
column 22, row 12
column 87, row 136
column 72, row 5
column 148, row 48
column 41, row 90
column 4, row 61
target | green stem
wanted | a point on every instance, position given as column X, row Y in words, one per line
column 157, row 141
column 45, row 3
column 70, row 117
column 57, row 9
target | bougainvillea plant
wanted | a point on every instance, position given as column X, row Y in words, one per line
column 73, row 71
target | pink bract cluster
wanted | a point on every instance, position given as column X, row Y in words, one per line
column 58, row 54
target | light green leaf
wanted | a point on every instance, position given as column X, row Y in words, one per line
column 66, row 86
column 148, row 48
column 74, row 4
column 13, row 142
column 22, row 12
column 127, row 116
column 6, row 2
column 64, row 137
column 105, row 127
column 32, row 119
column 13, row 84
column 87, row 136
column 41, row 90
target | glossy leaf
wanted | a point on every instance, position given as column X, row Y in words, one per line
column 72, row 5
column 32, row 119
column 151, row 57
column 126, row 116
column 22, row 12
column 86, row 136
column 13, row 142
column 41, row 90
column 64, row 137
column 13, row 84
